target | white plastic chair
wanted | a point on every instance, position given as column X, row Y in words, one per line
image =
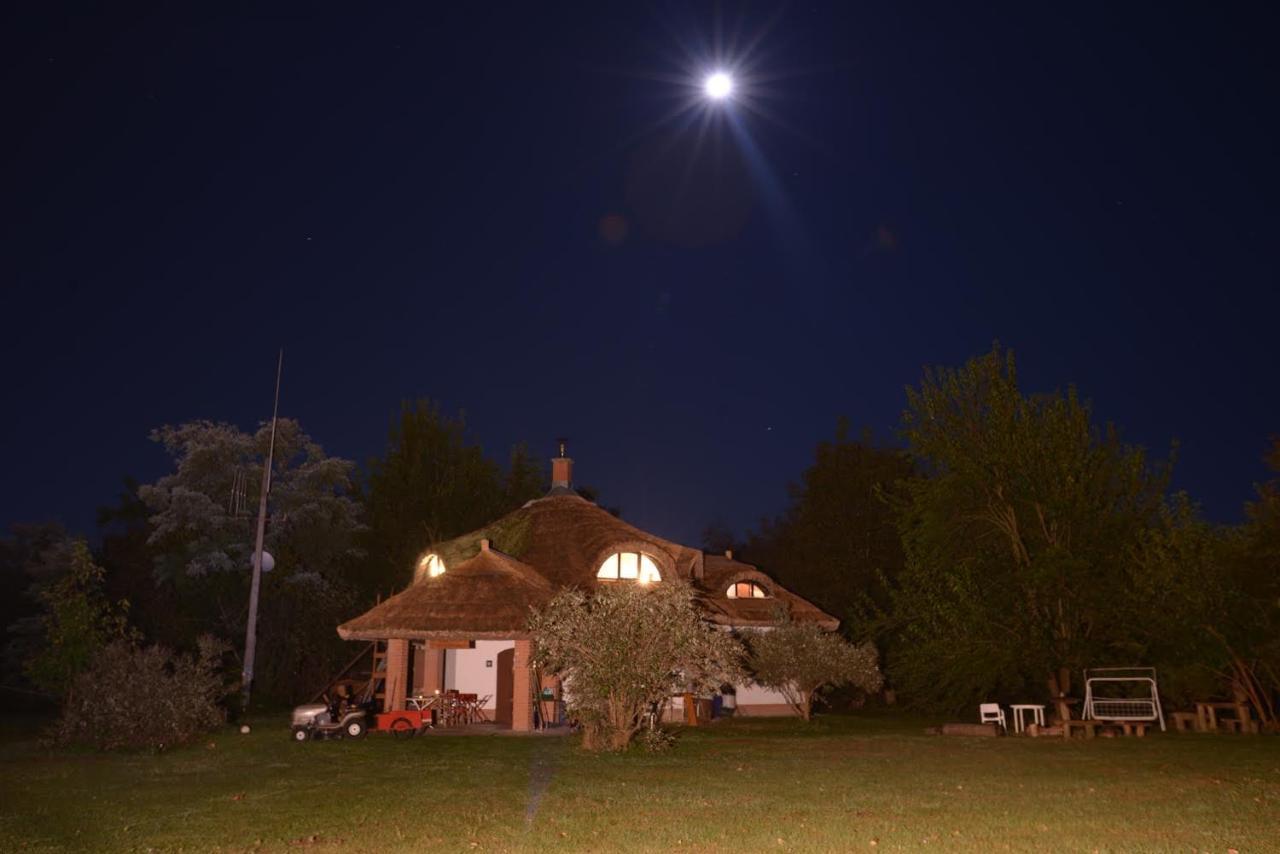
column 991, row 713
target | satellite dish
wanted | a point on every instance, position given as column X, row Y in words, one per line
column 268, row 562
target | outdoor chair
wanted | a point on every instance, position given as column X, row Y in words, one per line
column 991, row 713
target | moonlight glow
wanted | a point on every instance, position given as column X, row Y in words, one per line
column 718, row 86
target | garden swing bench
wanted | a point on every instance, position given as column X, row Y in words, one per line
column 1125, row 695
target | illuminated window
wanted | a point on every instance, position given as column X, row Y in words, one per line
column 629, row 566
column 429, row 566
column 746, row 590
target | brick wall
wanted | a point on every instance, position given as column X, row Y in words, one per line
column 397, row 675
column 522, row 689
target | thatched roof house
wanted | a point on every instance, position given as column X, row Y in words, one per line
column 466, row 611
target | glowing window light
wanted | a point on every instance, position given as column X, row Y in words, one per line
column 429, row 566
column 745, row 590
column 629, row 566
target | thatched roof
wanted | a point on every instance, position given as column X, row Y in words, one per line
column 548, row 544
column 719, row 572
column 565, row 538
column 488, row 595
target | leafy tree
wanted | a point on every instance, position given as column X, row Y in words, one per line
column 1015, row 536
column 625, row 648
column 1179, row 581
column 1211, row 601
column 801, row 659
column 204, row 513
column 77, row 619
column 23, row 561
column 837, row 543
column 525, row 478
column 429, row 485
column 129, row 562
column 202, row 520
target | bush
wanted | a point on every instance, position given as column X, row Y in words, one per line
column 133, row 696
column 656, row 740
column 626, row 648
column 800, row 659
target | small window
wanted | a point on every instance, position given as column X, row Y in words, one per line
column 429, row 566
column 746, row 590
column 629, row 566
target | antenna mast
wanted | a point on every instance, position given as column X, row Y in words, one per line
column 251, row 630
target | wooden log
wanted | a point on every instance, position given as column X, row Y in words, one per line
column 981, row 730
column 1088, row 727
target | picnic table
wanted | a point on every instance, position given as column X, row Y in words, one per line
column 452, row 708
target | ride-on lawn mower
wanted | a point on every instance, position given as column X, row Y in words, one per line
column 334, row 718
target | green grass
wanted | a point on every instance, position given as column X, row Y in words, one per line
column 843, row 783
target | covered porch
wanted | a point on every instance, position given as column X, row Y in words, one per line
column 493, row 675
column 460, row 632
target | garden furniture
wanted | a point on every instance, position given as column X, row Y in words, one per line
column 1207, row 715
column 989, row 713
column 1019, row 710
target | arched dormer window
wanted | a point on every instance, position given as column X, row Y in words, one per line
column 629, row 566
column 430, row 565
column 746, row 590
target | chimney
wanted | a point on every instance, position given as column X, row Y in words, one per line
column 728, row 553
column 562, row 468
column 484, row 544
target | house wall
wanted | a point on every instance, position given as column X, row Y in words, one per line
column 753, row 701
column 756, row 700
column 466, row 672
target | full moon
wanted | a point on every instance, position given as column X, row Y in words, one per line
column 718, row 86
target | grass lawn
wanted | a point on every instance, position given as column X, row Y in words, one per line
column 842, row 783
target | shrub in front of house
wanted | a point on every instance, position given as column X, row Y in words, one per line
column 625, row 649
column 801, row 659
column 134, row 696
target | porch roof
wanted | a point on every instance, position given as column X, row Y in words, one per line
column 487, row 596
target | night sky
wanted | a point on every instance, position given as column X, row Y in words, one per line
column 484, row 206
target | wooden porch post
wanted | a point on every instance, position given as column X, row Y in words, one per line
column 522, row 688
column 397, row 675
column 432, row 670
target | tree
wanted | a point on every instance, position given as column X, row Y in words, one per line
column 202, row 518
column 1015, row 535
column 801, row 659
column 837, row 543
column 77, row 620
column 626, row 648
column 1210, row 600
column 525, row 478
column 129, row 564
column 23, row 561
column 430, row 485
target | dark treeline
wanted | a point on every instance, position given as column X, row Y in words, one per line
column 174, row 555
column 1012, row 540
column 1007, row 541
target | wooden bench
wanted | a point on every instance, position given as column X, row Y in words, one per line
column 1090, row 728
column 1186, row 722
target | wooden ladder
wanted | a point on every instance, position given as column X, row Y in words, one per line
column 378, row 671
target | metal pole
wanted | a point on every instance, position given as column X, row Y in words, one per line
column 251, row 631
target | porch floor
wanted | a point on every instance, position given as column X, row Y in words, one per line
column 489, row 728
